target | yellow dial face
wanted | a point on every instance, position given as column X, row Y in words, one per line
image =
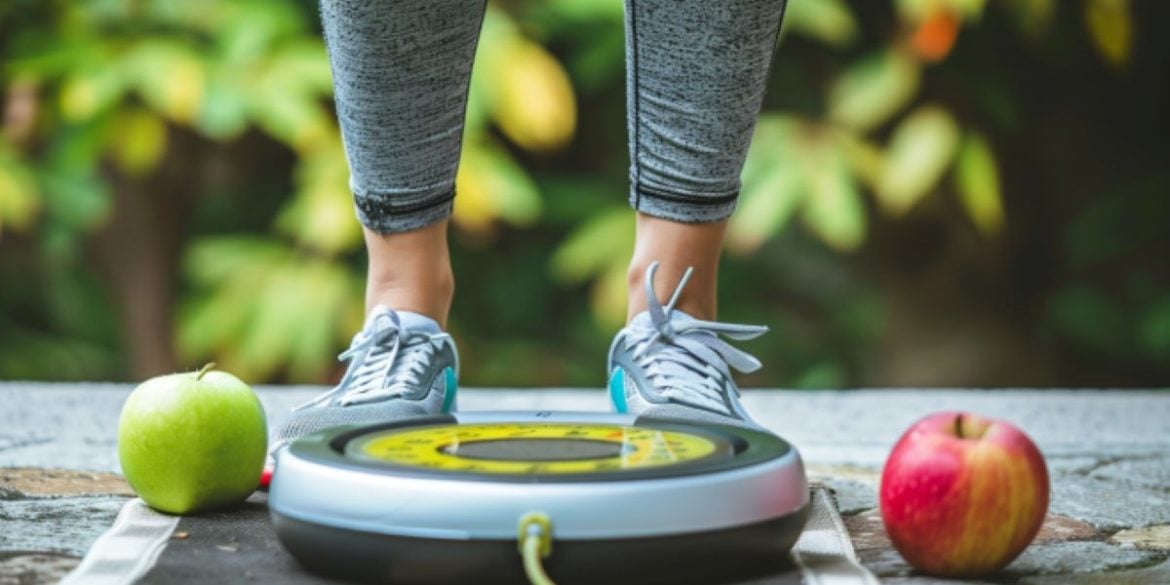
column 521, row 448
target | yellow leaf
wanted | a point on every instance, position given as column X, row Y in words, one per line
column 608, row 298
column 474, row 210
column 1110, row 25
column 170, row 77
column 19, row 201
column 922, row 147
column 829, row 21
column 139, row 141
column 84, row 95
column 866, row 159
column 977, row 180
column 534, row 105
column 874, row 89
column 491, row 186
column 916, row 11
column 183, row 94
column 321, row 215
column 605, row 238
column 765, row 208
column 78, row 98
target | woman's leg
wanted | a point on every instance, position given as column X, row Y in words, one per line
column 696, row 72
column 400, row 75
column 400, row 72
column 696, row 76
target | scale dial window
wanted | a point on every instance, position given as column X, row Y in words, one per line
column 534, row 448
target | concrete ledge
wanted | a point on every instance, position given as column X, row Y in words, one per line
column 1108, row 453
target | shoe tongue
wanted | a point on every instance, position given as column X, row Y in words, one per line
column 644, row 321
column 408, row 319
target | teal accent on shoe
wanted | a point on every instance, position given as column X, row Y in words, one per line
column 452, row 385
column 617, row 390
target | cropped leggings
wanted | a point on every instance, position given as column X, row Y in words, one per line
column 695, row 77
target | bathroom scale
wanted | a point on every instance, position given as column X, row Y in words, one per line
column 602, row 498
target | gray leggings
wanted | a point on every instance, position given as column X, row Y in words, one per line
column 695, row 76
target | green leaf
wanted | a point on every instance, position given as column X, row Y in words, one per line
column 977, row 181
column 829, row 21
column 80, row 201
column 330, row 292
column 213, row 260
column 321, row 214
column 765, row 208
column 90, row 91
column 591, row 248
column 249, row 30
column 1091, row 319
column 271, row 330
column 833, row 208
column 920, row 151
column 583, row 10
column 771, row 145
column 516, row 196
column 234, row 269
column 1155, row 329
column 224, row 115
column 874, row 89
column 170, row 76
column 496, row 33
column 1034, row 17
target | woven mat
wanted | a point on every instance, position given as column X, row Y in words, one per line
column 240, row 546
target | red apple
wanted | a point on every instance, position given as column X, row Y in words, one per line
column 963, row 495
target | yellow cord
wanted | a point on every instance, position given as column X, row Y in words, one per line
column 535, row 542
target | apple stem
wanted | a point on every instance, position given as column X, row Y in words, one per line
column 959, row 426
column 205, row 369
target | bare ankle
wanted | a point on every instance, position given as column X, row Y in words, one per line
column 676, row 246
column 411, row 271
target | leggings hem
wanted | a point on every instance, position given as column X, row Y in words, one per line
column 683, row 208
column 379, row 215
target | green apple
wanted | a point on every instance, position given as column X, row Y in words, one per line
column 193, row 441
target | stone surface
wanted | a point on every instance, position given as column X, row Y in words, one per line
column 1150, row 537
column 928, row 580
column 30, row 568
column 1061, row 528
column 867, row 531
column 852, row 497
column 73, row 425
column 1158, row 574
column 1084, row 557
column 58, row 525
column 1056, row 558
column 1072, row 464
column 1109, row 504
column 1151, row 473
column 854, row 487
column 27, row 482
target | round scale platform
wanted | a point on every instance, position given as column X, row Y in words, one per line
column 634, row 500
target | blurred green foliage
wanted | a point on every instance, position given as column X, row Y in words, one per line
column 884, row 121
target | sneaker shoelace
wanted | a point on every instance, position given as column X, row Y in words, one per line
column 685, row 360
column 388, row 361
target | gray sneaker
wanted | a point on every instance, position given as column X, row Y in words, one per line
column 667, row 364
column 402, row 365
